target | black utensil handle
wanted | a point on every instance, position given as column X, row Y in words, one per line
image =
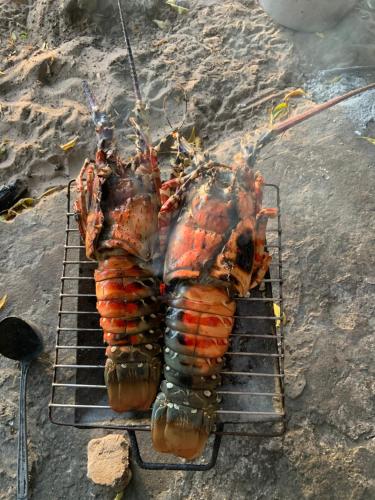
column 22, row 472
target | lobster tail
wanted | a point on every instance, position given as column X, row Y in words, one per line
column 129, row 306
column 199, row 323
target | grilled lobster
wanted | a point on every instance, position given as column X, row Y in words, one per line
column 213, row 227
column 117, row 211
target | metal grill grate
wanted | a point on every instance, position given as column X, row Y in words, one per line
column 253, row 377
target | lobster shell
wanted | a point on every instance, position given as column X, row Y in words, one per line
column 215, row 251
column 117, row 209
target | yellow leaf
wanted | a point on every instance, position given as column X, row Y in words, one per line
column 320, row 35
column 277, row 312
column 3, row 301
column 368, row 139
column 180, row 10
column 294, row 93
column 279, row 110
column 2, row 73
column 70, row 144
column 279, row 107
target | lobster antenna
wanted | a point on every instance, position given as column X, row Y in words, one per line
column 89, row 96
column 133, row 71
column 103, row 125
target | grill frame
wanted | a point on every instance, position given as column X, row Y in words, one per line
column 272, row 286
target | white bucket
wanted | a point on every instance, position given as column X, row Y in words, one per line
column 307, row 15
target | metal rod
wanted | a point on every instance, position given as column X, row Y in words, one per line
column 233, row 393
column 250, row 354
column 77, row 295
column 77, row 278
column 272, row 318
column 95, row 313
column 256, row 336
column 219, row 412
column 87, row 386
column 243, row 412
column 249, row 393
column 80, row 347
column 89, row 367
column 252, row 374
column 78, row 329
column 80, row 262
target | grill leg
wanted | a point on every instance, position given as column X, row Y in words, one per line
column 176, row 466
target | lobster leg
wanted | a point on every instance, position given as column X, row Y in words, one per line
column 80, row 207
column 262, row 258
column 199, row 323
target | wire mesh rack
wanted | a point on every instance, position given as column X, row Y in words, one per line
column 252, row 393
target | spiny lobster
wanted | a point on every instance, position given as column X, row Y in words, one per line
column 210, row 224
column 117, row 211
column 215, row 251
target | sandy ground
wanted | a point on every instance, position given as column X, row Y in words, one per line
column 227, row 56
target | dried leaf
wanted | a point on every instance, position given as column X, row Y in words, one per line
column 294, row 93
column 368, row 139
column 158, row 43
column 17, row 208
column 163, row 25
column 3, row 301
column 70, row 144
column 173, row 4
column 2, row 73
column 50, row 191
column 277, row 312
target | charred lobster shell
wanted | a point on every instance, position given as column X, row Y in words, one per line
column 117, row 212
column 215, row 251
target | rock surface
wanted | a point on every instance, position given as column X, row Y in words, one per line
column 108, row 461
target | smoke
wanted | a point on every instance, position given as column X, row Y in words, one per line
column 361, row 109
